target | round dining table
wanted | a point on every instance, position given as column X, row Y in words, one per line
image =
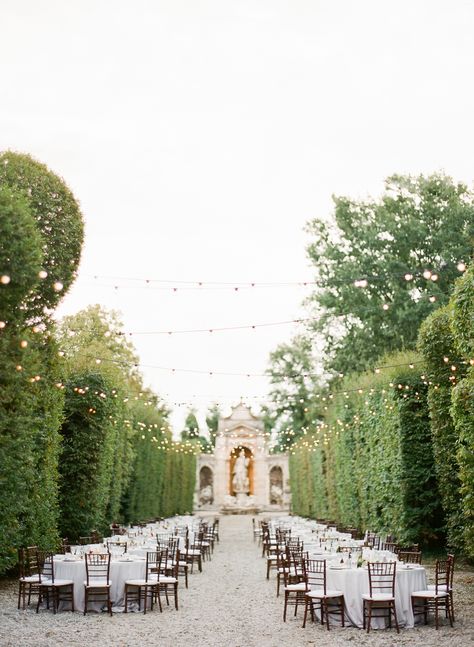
column 354, row 582
column 73, row 567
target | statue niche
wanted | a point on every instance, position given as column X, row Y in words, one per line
column 241, row 472
column 206, row 495
column 276, row 486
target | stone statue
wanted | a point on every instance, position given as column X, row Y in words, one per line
column 205, row 496
column 276, row 494
column 240, row 480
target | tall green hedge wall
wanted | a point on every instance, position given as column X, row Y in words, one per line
column 396, row 452
column 371, row 465
column 72, row 453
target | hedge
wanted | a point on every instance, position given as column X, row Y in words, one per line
column 462, row 409
column 58, row 221
column 92, row 432
column 437, row 344
column 163, row 475
column 373, row 454
column 31, row 412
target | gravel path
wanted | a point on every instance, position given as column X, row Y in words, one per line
column 230, row 604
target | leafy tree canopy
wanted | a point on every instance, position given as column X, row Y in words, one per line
column 191, row 427
column 420, row 223
column 294, row 384
column 59, row 222
column 93, row 337
column 212, row 422
column 21, row 254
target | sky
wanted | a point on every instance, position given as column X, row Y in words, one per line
column 200, row 136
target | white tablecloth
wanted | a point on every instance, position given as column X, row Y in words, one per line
column 120, row 571
column 354, row 582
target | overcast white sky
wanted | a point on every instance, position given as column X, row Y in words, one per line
column 200, row 136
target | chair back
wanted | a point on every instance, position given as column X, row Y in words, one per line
column 442, row 575
column 373, row 540
column 97, row 568
column 314, row 573
column 28, row 561
column 153, row 566
column 451, row 570
column 382, row 578
column 410, row 557
column 391, row 546
column 46, row 562
column 117, row 547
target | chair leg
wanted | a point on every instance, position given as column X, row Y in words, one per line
column 284, row 608
column 324, row 605
column 369, row 618
column 305, row 612
column 395, row 617
column 176, row 596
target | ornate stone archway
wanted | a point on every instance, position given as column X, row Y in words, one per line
column 244, row 430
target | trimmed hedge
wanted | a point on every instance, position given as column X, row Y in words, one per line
column 58, row 221
column 436, row 342
column 374, row 457
column 462, row 409
column 31, row 412
column 92, row 434
column 163, row 474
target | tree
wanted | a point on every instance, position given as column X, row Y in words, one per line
column 191, row 426
column 212, row 422
column 94, row 337
column 59, row 223
column 372, row 293
column 293, row 379
column 21, row 254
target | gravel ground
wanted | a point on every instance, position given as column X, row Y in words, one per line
column 230, row 604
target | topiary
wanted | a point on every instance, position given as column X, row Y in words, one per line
column 59, row 222
column 21, row 255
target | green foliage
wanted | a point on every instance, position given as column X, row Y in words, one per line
column 463, row 414
column 30, row 416
column 291, row 375
column 91, row 434
column 370, row 464
column 59, row 222
column 436, row 343
column 20, row 254
column 419, row 223
column 212, row 422
column 191, row 426
column 462, row 409
column 94, row 337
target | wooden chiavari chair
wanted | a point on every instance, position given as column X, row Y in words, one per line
column 438, row 597
column 50, row 587
column 148, row 588
column 318, row 595
column 30, row 578
column 381, row 596
column 97, row 584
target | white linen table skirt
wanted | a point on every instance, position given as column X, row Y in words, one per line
column 120, row 571
column 353, row 582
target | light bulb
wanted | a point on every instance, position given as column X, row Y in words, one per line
column 5, row 279
column 42, row 274
column 461, row 267
column 57, row 286
column 427, row 274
